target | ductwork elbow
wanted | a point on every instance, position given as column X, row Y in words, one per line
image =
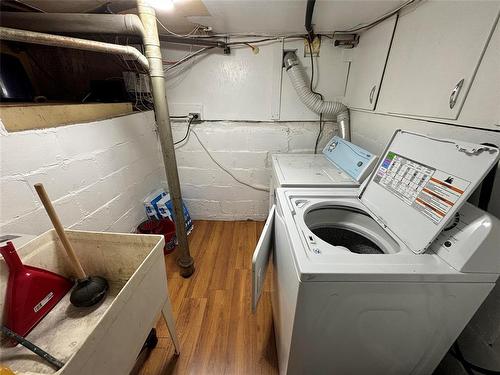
column 312, row 100
column 344, row 124
column 134, row 25
column 290, row 59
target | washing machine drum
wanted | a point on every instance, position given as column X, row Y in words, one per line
column 348, row 239
column 349, row 228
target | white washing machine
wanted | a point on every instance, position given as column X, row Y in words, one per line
column 342, row 164
column 383, row 282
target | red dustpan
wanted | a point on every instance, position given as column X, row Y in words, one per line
column 31, row 292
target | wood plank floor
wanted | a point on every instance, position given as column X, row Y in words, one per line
column 217, row 330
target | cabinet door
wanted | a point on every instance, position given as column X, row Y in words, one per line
column 436, row 49
column 367, row 65
column 482, row 105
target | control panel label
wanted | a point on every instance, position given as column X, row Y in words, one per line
column 350, row 158
column 428, row 190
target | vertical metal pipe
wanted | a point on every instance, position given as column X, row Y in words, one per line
column 153, row 53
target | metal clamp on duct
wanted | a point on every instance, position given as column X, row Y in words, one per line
column 311, row 100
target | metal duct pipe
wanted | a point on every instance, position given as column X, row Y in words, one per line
column 122, row 24
column 152, row 46
column 311, row 100
column 76, row 43
column 193, row 41
column 115, row 24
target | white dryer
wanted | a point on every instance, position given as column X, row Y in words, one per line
column 383, row 282
column 342, row 164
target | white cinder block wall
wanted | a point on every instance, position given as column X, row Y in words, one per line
column 243, row 148
column 98, row 173
column 95, row 173
column 251, row 111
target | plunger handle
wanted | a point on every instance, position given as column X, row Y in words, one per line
column 80, row 273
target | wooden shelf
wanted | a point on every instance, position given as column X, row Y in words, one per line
column 25, row 116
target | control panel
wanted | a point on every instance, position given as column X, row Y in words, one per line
column 355, row 161
column 469, row 241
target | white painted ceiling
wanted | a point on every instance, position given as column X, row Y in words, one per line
column 247, row 16
column 287, row 16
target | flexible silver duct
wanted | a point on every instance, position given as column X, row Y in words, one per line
column 311, row 100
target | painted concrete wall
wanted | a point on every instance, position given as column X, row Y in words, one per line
column 252, row 111
column 95, row 173
column 244, row 86
column 243, row 148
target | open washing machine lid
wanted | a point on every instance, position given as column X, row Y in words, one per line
column 420, row 182
column 352, row 159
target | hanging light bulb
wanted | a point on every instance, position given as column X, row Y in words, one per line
column 167, row 5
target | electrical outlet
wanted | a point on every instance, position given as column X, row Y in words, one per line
column 196, row 116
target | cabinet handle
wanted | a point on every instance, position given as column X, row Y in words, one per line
column 372, row 92
column 455, row 92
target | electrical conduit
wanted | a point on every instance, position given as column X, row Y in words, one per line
column 311, row 100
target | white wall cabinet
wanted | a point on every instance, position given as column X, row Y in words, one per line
column 367, row 65
column 436, row 50
column 482, row 105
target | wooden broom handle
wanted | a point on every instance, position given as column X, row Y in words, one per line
column 80, row 273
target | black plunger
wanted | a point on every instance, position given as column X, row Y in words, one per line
column 89, row 290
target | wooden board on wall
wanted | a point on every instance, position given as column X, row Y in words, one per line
column 18, row 117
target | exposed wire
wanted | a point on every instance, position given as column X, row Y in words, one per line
column 311, row 87
column 196, row 28
column 312, row 70
column 271, row 37
column 248, row 35
column 252, row 41
column 320, row 132
column 167, row 62
column 255, row 50
column 369, row 25
column 255, row 187
column 188, row 57
column 191, row 119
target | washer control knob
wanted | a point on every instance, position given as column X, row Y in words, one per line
column 447, row 243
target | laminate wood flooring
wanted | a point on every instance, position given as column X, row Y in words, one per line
column 217, row 330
